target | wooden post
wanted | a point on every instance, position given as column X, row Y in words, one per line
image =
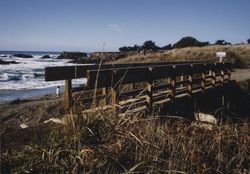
column 203, row 81
column 190, row 81
column 181, row 79
column 229, row 74
column 114, row 93
column 172, row 93
column 222, row 77
column 68, row 95
column 114, row 97
column 213, row 78
column 132, row 86
column 105, row 94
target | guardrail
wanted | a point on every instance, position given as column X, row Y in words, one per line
column 140, row 86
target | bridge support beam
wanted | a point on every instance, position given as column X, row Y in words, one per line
column 68, row 95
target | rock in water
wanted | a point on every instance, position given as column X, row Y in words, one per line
column 46, row 57
column 23, row 55
column 2, row 62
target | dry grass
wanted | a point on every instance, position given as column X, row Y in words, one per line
column 107, row 143
column 238, row 52
column 104, row 142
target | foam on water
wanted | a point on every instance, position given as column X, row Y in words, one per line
column 29, row 73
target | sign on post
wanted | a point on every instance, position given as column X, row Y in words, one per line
column 221, row 56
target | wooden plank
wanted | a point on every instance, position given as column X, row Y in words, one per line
column 126, row 75
column 160, row 72
column 182, row 69
column 133, row 105
column 99, row 79
column 161, row 86
column 132, row 93
column 90, row 99
column 80, row 71
column 133, row 111
column 80, row 88
column 182, row 83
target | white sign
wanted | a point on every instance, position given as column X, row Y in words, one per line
column 221, row 54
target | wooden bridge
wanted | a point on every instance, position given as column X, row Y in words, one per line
column 139, row 87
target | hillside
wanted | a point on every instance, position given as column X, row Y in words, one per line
column 234, row 52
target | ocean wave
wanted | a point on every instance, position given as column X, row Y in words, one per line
column 17, row 77
column 8, row 77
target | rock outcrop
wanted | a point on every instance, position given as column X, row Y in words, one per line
column 23, row 55
column 2, row 62
column 72, row 55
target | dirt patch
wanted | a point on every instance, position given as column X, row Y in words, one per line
column 30, row 111
column 240, row 74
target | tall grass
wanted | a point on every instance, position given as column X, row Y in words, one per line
column 107, row 143
column 237, row 53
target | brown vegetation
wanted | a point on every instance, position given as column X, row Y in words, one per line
column 107, row 143
column 234, row 52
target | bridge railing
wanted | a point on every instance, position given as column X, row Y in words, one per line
column 140, row 86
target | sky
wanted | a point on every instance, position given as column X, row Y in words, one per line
column 106, row 25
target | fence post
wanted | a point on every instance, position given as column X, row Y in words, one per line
column 213, row 77
column 181, row 79
column 172, row 83
column 190, row 81
column 222, row 76
column 203, row 79
column 68, row 95
column 229, row 74
column 105, row 95
column 114, row 92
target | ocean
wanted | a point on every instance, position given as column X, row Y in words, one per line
column 26, row 79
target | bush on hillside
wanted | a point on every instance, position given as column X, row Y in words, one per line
column 222, row 42
column 128, row 48
column 248, row 41
column 189, row 42
column 149, row 45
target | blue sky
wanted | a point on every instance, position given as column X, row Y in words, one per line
column 95, row 25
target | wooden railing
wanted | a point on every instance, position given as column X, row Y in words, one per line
column 141, row 86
